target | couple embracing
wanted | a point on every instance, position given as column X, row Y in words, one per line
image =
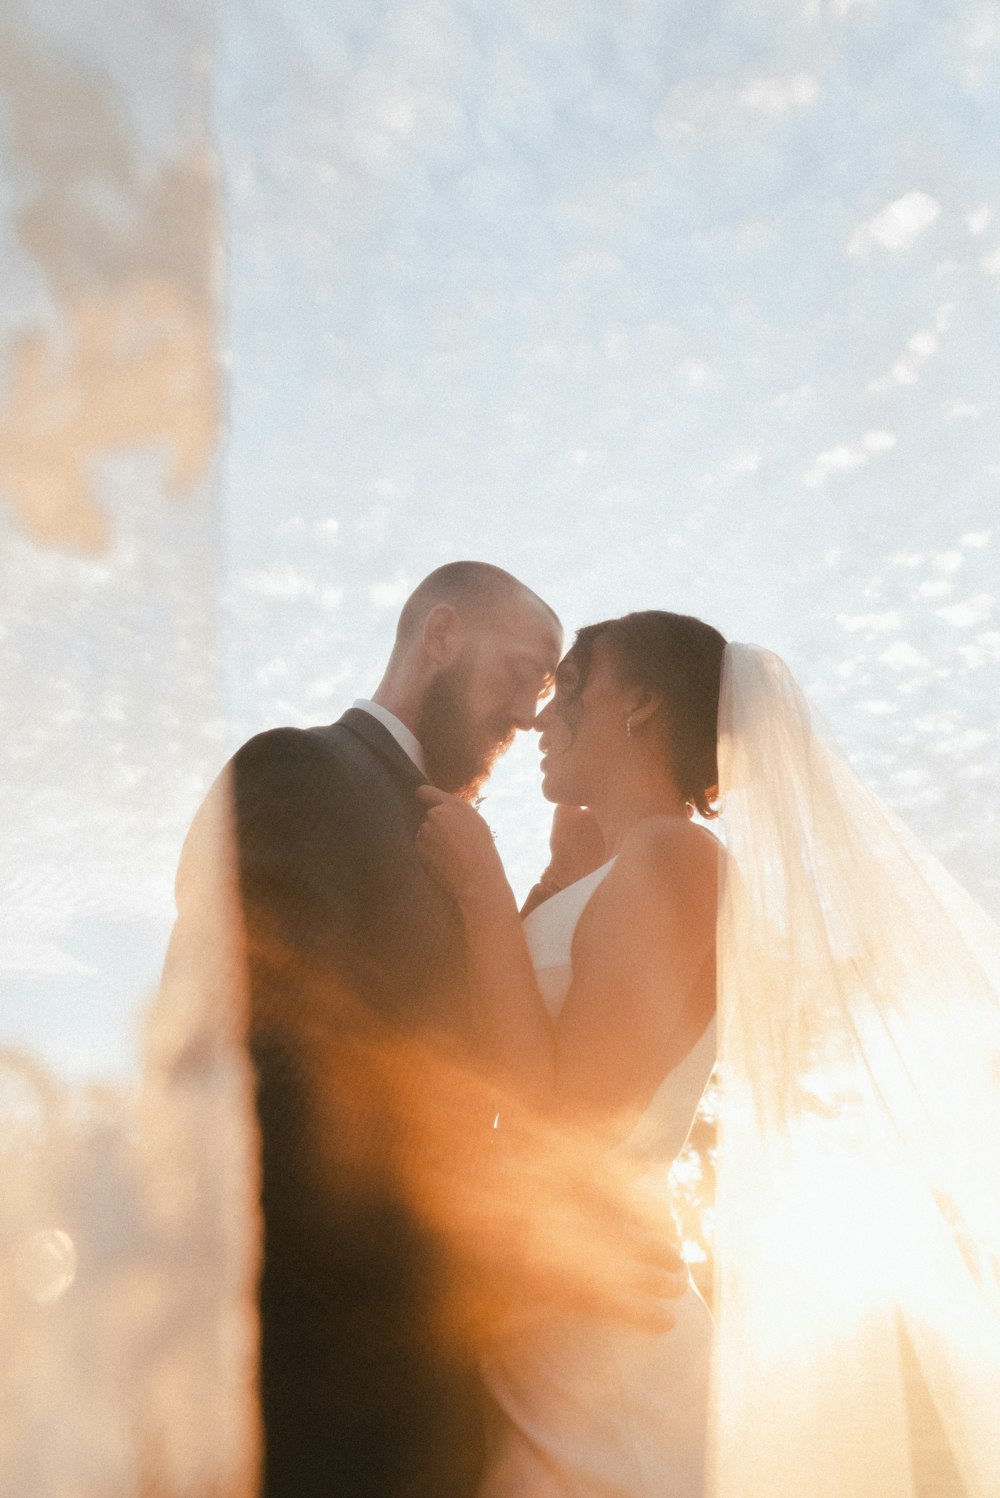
column 392, row 983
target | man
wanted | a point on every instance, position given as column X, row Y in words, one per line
column 348, row 948
column 386, row 1208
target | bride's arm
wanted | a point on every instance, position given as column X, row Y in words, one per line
column 643, row 986
column 576, row 1196
column 515, row 1030
column 576, row 846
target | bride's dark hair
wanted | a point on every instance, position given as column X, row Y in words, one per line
column 679, row 658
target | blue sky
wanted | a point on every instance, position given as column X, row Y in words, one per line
column 692, row 306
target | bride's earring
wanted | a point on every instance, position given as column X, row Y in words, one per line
column 628, row 726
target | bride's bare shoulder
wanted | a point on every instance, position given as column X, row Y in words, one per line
column 659, row 849
column 666, row 867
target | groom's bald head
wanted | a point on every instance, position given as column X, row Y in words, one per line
column 477, row 591
column 475, row 648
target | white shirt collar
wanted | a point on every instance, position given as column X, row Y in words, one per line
column 407, row 741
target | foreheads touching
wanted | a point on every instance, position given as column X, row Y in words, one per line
column 478, row 650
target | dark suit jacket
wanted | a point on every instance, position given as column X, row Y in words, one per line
column 348, row 941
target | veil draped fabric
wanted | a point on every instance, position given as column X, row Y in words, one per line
column 858, row 1207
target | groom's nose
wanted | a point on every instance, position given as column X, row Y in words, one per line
column 523, row 714
column 542, row 717
column 522, row 707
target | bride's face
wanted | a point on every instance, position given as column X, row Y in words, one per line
column 583, row 729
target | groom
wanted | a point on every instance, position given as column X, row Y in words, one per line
column 349, row 941
column 383, row 1198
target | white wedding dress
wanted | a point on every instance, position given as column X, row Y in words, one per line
column 592, row 1407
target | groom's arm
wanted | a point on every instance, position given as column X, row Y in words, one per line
column 297, row 869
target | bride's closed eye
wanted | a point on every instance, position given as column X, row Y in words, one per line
column 567, row 682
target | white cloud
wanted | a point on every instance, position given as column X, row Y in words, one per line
column 975, row 538
column 777, row 95
column 904, row 657
column 873, row 624
column 695, row 372
column 906, row 369
column 958, row 409
column 327, row 530
column 275, row 670
column 789, row 402
column 878, row 441
column 982, row 29
column 970, row 738
column 897, row 226
column 977, row 220
column 390, row 593
column 975, row 610
column 982, row 32
column 692, row 111
column 834, row 460
column 279, row 581
column 748, row 460
column 847, row 456
column 373, row 525
column 911, row 775
column 983, row 651
column 327, row 686
column 923, row 344
column 991, row 262
column 331, row 598
column 947, row 562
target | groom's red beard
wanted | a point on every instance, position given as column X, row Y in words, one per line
column 458, row 752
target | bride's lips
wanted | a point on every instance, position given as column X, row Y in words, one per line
column 547, row 760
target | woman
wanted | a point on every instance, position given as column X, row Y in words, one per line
column 857, row 1351
column 601, row 1008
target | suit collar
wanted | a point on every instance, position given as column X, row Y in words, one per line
column 381, row 742
column 405, row 737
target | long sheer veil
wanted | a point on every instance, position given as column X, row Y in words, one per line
column 858, row 1209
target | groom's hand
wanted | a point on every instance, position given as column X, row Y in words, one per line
column 457, row 847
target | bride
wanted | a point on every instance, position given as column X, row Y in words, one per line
column 857, row 1350
column 601, row 1008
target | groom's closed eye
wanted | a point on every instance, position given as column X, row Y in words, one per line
column 523, row 678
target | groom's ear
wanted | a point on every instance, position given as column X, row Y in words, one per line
column 442, row 634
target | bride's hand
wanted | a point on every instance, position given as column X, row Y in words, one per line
column 576, row 844
column 456, row 847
